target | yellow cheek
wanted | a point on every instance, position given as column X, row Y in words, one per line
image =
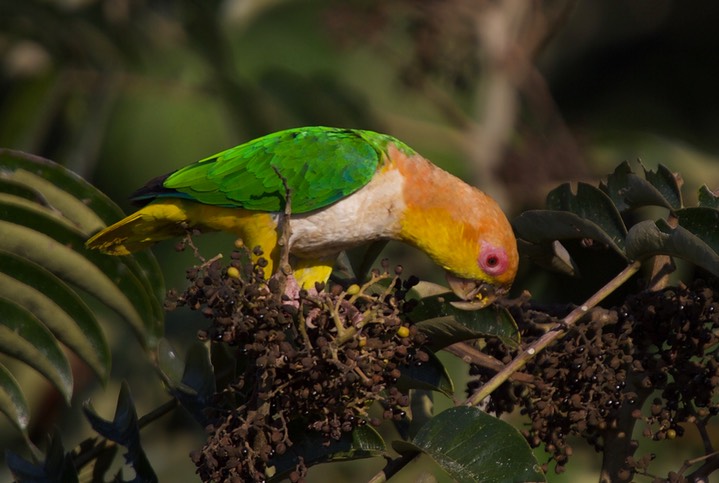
column 448, row 243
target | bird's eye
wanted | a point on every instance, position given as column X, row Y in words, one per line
column 493, row 260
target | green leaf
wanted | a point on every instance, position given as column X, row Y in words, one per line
column 421, row 404
column 25, row 338
column 124, row 430
column 72, row 202
column 198, row 372
column 591, row 204
column 192, row 383
column 444, row 324
column 170, row 364
column 472, row 446
column 546, row 226
column 105, row 277
column 66, row 204
column 666, row 183
column 59, row 308
column 46, row 214
column 649, row 238
column 707, row 198
column 426, row 289
column 361, row 259
column 362, row 442
column 550, row 255
column 628, row 190
column 57, row 466
column 702, row 222
column 12, row 401
column 59, row 176
column 430, row 375
column 53, row 253
column 12, row 187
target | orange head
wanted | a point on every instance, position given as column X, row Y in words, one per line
column 462, row 229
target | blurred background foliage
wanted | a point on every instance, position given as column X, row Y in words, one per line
column 514, row 95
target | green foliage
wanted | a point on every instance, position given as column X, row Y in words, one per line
column 57, row 465
column 445, row 324
column 598, row 214
column 472, row 446
column 125, row 431
column 46, row 213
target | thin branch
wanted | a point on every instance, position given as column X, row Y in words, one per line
column 555, row 333
column 393, row 466
column 473, row 356
column 701, row 474
column 284, row 232
column 706, row 440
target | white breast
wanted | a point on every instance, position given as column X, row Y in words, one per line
column 371, row 213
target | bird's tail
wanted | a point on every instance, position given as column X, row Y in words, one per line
column 152, row 223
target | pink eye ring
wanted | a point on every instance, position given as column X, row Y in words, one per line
column 493, row 260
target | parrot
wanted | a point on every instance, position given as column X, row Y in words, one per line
column 347, row 187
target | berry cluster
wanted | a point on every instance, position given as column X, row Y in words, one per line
column 660, row 345
column 312, row 364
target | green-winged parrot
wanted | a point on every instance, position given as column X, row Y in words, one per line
column 347, row 187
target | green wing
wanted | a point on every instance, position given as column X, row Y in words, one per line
column 320, row 165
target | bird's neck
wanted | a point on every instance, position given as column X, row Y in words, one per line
column 435, row 217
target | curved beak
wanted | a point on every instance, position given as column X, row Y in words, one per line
column 475, row 295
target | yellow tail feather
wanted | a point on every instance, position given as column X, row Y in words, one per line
column 153, row 223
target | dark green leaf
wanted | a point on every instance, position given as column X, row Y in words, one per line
column 362, row 442
column 61, row 201
column 591, row 204
column 430, row 375
column 473, row 446
column 191, row 382
column 169, row 363
column 444, row 324
column 12, row 187
column 63, row 178
column 648, row 238
column 362, row 258
column 421, row 404
column 198, row 372
column 103, row 462
column 75, row 204
column 24, row 470
column 50, row 245
column 550, row 255
column 57, row 467
column 628, row 190
column 25, row 338
column 124, row 430
column 707, row 198
column 545, row 226
column 58, row 307
column 426, row 289
column 666, row 183
column 702, row 222
column 12, row 401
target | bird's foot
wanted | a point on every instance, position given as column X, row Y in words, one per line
column 292, row 291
